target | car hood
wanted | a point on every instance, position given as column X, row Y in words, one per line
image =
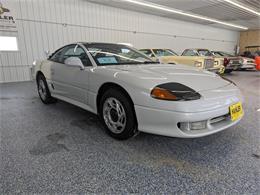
column 248, row 59
column 233, row 57
column 151, row 75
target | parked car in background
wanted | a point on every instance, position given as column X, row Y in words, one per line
column 251, row 51
column 168, row 56
column 132, row 93
column 160, row 55
column 231, row 62
column 218, row 61
column 248, row 64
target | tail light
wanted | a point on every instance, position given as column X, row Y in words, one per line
column 226, row 61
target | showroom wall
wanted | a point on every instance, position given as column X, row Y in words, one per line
column 249, row 38
column 49, row 24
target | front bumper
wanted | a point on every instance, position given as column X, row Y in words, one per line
column 215, row 70
column 233, row 66
column 248, row 66
column 164, row 122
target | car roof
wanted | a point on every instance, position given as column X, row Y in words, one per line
column 99, row 43
column 197, row 49
column 154, row 48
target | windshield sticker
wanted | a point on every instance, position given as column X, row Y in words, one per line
column 107, row 60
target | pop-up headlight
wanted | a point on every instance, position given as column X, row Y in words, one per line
column 174, row 92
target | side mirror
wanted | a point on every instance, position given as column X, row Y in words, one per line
column 75, row 62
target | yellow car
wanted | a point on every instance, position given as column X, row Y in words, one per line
column 170, row 57
column 218, row 61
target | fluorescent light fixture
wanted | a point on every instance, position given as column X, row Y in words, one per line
column 242, row 7
column 8, row 43
column 180, row 12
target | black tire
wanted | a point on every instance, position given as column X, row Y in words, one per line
column 44, row 94
column 130, row 128
column 228, row 71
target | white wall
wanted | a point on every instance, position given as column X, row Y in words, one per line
column 49, row 24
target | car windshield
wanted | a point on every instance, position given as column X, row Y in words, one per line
column 217, row 53
column 164, row 52
column 221, row 53
column 204, row 52
column 173, row 52
column 116, row 54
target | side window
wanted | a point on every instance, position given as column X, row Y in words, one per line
column 60, row 55
column 56, row 56
column 81, row 54
column 67, row 52
column 188, row 53
column 162, row 52
column 71, row 51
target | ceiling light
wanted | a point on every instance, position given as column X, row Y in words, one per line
column 242, row 7
column 163, row 8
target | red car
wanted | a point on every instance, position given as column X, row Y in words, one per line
column 231, row 62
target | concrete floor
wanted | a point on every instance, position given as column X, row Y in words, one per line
column 63, row 149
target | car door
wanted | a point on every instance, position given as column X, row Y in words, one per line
column 71, row 81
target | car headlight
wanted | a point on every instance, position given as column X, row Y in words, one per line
column 174, row 92
column 198, row 64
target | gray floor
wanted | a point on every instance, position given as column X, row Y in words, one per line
column 63, row 149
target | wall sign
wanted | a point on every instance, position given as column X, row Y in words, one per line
column 7, row 21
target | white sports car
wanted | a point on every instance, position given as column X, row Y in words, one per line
column 131, row 93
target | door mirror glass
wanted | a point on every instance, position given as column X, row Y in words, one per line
column 74, row 61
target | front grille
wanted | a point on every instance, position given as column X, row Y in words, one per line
column 218, row 62
column 208, row 63
column 234, row 62
column 219, row 119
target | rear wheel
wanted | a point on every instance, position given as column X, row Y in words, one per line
column 117, row 114
column 43, row 90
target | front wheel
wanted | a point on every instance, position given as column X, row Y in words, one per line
column 43, row 90
column 228, row 71
column 117, row 114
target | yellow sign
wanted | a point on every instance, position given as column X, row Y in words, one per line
column 236, row 111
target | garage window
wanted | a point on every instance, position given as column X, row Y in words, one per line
column 8, row 43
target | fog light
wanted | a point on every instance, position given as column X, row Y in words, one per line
column 188, row 126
